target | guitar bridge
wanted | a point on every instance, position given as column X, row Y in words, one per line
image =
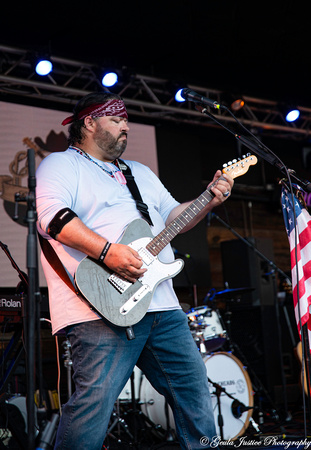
column 121, row 284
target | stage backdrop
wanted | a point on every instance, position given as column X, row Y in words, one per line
column 22, row 127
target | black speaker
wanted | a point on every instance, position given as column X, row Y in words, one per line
column 243, row 268
column 255, row 338
column 255, row 315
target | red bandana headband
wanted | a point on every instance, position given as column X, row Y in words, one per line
column 112, row 107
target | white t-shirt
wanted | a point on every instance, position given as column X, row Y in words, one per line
column 69, row 180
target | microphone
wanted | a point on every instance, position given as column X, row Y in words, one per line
column 192, row 96
column 238, row 408
column 177, row 253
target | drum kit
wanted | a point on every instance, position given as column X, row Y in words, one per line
column 230, row 385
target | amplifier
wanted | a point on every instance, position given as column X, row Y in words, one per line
column 11, row 307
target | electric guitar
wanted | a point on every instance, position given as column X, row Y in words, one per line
column 124, row 303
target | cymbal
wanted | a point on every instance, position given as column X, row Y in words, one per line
column 235, row 291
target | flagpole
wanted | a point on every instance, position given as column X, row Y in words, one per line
column 306, row 356
column 305, row 368
column 297, row 220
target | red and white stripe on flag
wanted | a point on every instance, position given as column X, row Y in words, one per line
column 300, row 255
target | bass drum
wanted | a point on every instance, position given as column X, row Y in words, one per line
column 227, row 371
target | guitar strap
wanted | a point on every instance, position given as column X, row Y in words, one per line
column 54, row 261
column 131, row 184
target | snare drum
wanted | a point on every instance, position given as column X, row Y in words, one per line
column 227, row 371
column 206, row 328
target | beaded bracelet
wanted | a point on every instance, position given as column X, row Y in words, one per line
column 104, row 252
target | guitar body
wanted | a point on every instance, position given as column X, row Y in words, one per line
column 120, row 302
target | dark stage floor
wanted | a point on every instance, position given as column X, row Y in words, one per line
column 276, row 432
column 131, row 430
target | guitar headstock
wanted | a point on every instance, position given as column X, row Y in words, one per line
column 238, row 167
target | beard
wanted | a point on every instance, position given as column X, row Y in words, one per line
column 112, row 147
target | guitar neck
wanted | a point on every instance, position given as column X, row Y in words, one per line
column 181, row 221
column 234, row 168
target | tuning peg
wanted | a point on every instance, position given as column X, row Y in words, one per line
column 224, row 165
column 234, row 161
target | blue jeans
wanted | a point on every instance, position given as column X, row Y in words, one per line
column 103, row 360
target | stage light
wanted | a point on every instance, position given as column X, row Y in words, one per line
column 237, row 104
column 178, row 96
column 43, row 67
column 292, row 115
column 109, row 79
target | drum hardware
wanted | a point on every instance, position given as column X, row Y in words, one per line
column 169, row 436
column 117, row 421
column 231, row 293
column 207, row 328
column 126, row 406
column 126, row 396
column 228, row 315
column 139, row 413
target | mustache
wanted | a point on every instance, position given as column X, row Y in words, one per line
column 122, row 134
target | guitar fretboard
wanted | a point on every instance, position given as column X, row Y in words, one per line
column 180, row 222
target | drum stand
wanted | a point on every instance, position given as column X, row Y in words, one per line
column 117, row 421
column 169, row 436
column 120, row 423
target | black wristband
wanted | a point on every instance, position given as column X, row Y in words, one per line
column 104, row 252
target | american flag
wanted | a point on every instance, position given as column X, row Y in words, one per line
column 303, row 261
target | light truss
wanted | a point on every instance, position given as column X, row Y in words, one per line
column 145, row 96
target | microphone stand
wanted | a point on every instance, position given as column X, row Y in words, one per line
column 239, row 407
column 31, row 303
column 32, row 307
column 256, row 146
